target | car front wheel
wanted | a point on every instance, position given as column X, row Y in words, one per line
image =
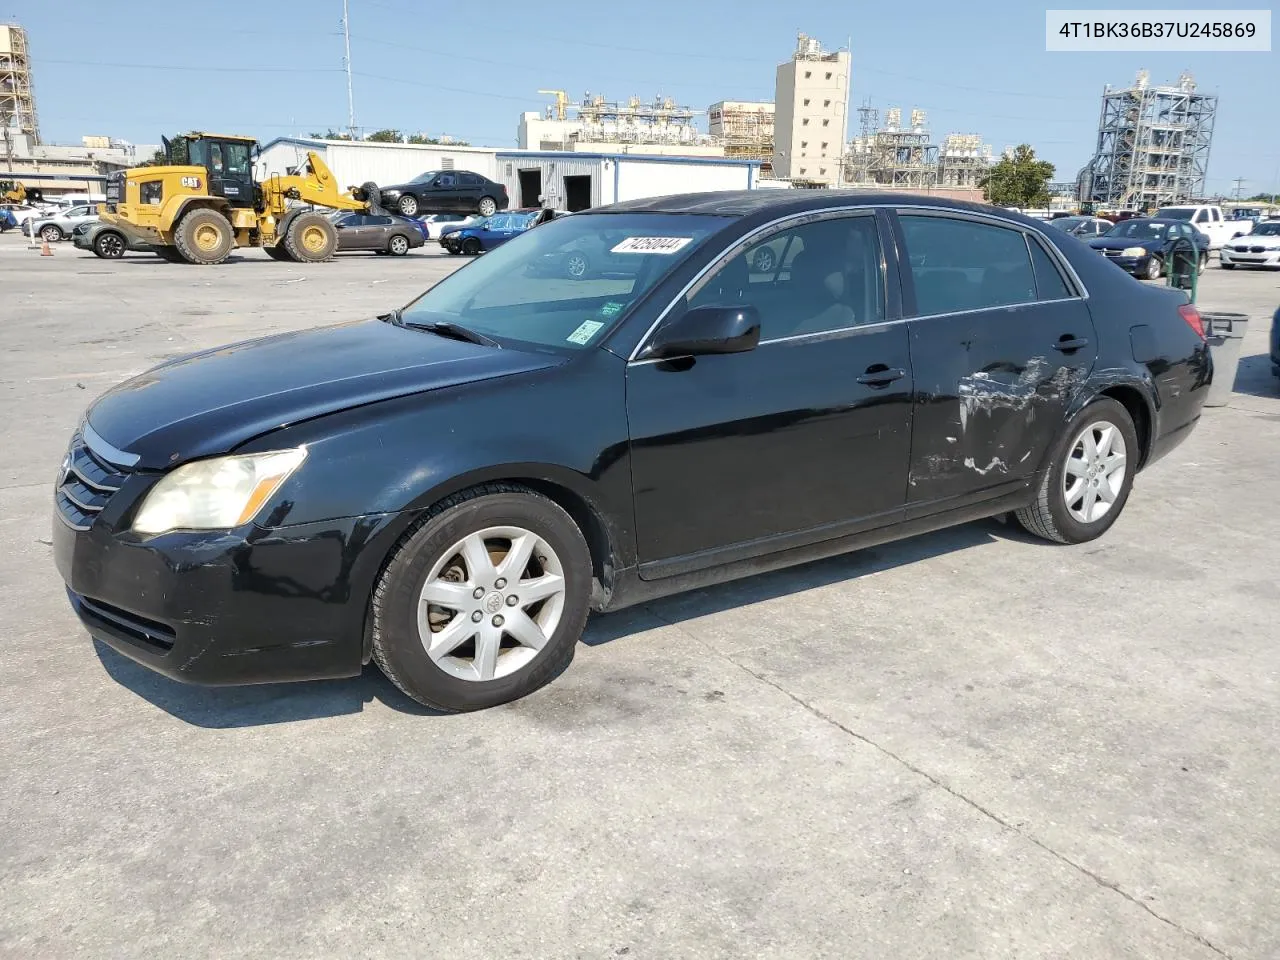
column 109, row 245
column 1088, row 481
column 484, row 600
column 1152, row 271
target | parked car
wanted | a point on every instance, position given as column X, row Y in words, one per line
column 446, row 191
column 1259, row 249
column 298, row 505
column 1209, row 220
column 436, row 222
column 106, row 240
column 21, row 213
column 493, row 231
column 1142, row 247
column 378, row 232
column 1086, row 228
column 58, row 226
column 1275, row 343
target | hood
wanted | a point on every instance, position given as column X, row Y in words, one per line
column 1254, row 240
column 210, row 402
column 1119, row 243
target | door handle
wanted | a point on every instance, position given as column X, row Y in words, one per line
column 881, row 376
column 1069, row 344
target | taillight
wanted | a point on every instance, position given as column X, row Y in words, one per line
column 1190, row 314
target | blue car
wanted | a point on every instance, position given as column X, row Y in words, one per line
column 493, row 231
column 1142, row 246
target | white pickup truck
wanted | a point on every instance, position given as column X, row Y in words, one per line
column 1209, row 220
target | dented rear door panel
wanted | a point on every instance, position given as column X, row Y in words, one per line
column 993, row 388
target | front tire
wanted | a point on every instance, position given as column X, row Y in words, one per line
column 1153, row 269
column 487, row 207
column 471, row 246
column 170, row 254
column 109, row 245
column 1090, row 477
column 311, row 238
column 408, row 205
column 1227, row 266
column 204, row 237
column 483, row 601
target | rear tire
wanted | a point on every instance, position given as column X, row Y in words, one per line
column 204, row 237
column 408, row 205
column 310, row 238
column 487, row 207
column 278, row 252
column 170, row 254
column 51, row 232
column 398, row 245
column 1057, row 511
column 457, row 676
column 471, row 246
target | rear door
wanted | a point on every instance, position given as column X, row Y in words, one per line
column 999, row 336
column 470, row 188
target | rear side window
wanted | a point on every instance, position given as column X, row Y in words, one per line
column 1049, row 282
column 961, row 265
column 469, row 179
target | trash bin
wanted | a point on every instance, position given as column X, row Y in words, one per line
column 1225, row 333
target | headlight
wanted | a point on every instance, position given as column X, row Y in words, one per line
column 1133, row 252
column 391, row 193
column 216, row 494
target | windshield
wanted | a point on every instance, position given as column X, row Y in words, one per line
column 1176, row 213
column 1143, row 229
column 564, row 285
column 424, row 177
column 1270, row 229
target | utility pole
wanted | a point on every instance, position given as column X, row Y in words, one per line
column 346, row 60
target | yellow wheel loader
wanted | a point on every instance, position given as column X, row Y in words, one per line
column 207, row 203
column 11, row 191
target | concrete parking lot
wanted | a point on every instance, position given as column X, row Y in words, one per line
column 971, row 744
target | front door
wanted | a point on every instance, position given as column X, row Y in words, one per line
column 230, row 172
column 999, row 338
column 805, row 437
column 444, row 193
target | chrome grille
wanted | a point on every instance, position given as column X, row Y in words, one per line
column 85, row 485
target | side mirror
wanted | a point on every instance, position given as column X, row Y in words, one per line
column 707, row 330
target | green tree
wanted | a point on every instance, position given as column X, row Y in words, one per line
column 331, row 134
column 385, row 136
column 423, row 138
column 1019, row 180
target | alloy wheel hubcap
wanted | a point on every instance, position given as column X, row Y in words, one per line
column 1095, row 472
column 491, row 603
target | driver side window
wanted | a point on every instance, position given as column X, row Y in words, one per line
column 815, row 278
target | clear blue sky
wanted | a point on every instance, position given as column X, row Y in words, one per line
column 134, row 68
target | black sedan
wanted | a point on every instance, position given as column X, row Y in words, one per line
column 1143, row 246
column 446, row 191
column 449, row 489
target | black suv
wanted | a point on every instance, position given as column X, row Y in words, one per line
column 446, row 191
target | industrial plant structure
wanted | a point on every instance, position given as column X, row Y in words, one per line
column 596, row 124
column 17, row 102
column 905, row 157
column 745, row 128
column 1153, row 145
column 811, row 114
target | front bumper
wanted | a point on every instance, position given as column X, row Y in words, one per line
column 1134, row 265
column 81, row 241
column 1249, row 257
column 253, row 605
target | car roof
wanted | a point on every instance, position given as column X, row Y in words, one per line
column 741, row 203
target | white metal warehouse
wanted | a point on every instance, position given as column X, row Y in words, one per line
column 563, row 180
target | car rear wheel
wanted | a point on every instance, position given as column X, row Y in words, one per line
column 483, row 601
column 1088, row 481
column 1153, row 269
column 398, row 245
column 408, row 205
column 471, row 246
column 487, row 206
column 109, row 245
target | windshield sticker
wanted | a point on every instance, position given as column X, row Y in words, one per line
column 652, row 244
column 585, row 332
column 611, row 309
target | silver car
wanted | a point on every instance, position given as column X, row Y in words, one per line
column 59, row 226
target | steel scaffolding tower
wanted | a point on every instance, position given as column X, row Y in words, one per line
column 1153, row 145
column 17, row 102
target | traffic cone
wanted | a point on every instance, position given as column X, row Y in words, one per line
column 45, row 250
